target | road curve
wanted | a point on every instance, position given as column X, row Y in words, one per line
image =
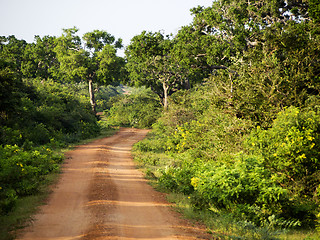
column 101, row 195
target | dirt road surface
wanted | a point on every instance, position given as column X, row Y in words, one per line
column 101, row 195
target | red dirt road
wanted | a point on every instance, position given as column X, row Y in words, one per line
column 101, row 195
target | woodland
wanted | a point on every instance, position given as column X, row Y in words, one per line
column 232, row 100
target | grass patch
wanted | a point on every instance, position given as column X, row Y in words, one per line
column 221, row 225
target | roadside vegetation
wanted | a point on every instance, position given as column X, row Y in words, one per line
column 48, row 119
column 242, row 180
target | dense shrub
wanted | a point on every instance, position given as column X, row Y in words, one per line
column 49, row 110
column 290, row 148
column 103, row 96
column 245, row 188
column 210, row 135
column 177, row 175
column 21, row 172
column 228, row 167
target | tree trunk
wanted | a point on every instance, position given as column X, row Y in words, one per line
column 92, row 100
column 165, row 95
column 187, row 84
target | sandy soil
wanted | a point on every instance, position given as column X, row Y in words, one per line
column 101, row 195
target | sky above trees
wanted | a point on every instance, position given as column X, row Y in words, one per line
column 122, row 18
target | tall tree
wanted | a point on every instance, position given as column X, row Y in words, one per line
column 103, row 64
column 153, row 63
column 189, row 49
column 10, row 90
column 95, row 61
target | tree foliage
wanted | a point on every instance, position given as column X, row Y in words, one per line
column 40, row 59
column 240, row 85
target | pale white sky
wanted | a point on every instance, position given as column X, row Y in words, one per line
column 121, row 18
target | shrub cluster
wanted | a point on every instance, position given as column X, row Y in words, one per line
column 103, row 96
column 22, row 171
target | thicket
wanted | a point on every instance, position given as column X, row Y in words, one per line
column 104, row 95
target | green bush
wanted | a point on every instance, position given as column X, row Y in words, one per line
column 176, row 179
column 212, row 158
column 150, row 145
column 244, row 188
column 38, row 133
column 10, row 136
column 291, row 150
column 49, row 110
column 214, row 136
